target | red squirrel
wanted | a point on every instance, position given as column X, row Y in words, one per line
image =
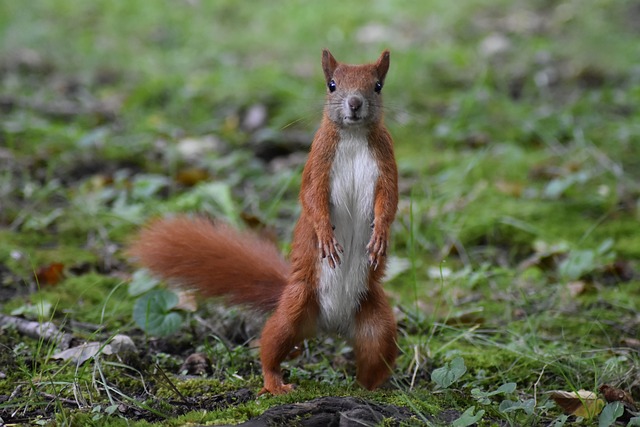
column 332, row 282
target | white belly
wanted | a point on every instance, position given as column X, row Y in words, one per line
column 353, row 177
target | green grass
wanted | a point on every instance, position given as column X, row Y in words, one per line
column 517, row 135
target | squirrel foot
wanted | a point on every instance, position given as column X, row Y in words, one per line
column 277, row 389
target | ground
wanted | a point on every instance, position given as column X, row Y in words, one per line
column 514, row 255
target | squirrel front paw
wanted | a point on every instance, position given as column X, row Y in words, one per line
column 377, row 247
column 330, row 248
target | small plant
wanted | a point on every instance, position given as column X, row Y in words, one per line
column 155, row 309
column 449, row 373
column 469, row 417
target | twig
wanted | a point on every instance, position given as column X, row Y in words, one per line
column 47, row 331
column 61, row 399
column 535, row 386
column 416, row 359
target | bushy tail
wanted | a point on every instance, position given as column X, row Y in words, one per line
column 213, row 258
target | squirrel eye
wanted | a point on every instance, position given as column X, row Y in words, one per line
column 332, row 86
column 378, row 87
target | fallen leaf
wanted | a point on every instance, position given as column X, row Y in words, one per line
column 187, row 301
column 194, row 148
column 252, row 221
column 630, row 342
column 581, row 403
column 545, row 172
column 513, row 189
column 118, row 345
column 260, row 227
column 192, row 176
column 576, row 288
column 50, row 274
column 466, row 317
column 545, row 255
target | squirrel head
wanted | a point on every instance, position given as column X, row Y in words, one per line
column 354, row 92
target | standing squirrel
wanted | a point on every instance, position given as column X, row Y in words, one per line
column 349, row 197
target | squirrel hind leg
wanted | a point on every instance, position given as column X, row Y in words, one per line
column 293, row 321
column 375, row 340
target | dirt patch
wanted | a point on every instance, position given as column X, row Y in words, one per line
column 331, row 411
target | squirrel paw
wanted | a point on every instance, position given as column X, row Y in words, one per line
column 377, row 248
column 330, row 249
column 276, row 390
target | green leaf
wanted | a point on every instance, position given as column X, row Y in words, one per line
column 38, row 310
column 152, row 312
column 610, row 414
column 560, row 421
column 211, row 197
column 141, row 282
column 634, row 422
column 556, row 187
column 506, row 388
column 605, row 246
column 148, row 185
column 527, row 406
column 449, row 373
column 578, row 263
column 483, row 396
column 468, row 418
column 111, row 409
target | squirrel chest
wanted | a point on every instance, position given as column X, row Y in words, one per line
column 354, row 173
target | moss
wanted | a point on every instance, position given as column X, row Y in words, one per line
column 193, row 387
column 92, row 297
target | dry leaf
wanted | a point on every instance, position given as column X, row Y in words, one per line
column 120, row 344
column 50, row 274
column 513, row 189
column 187, row 301
column 576, row 288
column 469, row 317
column 630, row 342
column 581, row 403
column 252, row 221
column 192, row 176
column 263, row 230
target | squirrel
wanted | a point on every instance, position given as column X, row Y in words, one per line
column 332, row 281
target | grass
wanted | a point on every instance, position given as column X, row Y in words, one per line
column 517, row 138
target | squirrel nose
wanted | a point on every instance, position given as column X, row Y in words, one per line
column 355, row 102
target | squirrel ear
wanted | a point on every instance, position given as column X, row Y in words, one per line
column 329, row 64
column 382, row 66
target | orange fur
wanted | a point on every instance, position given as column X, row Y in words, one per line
column 213, row 258
column 223, row 262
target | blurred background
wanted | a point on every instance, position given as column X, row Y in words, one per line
column 514, row 120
